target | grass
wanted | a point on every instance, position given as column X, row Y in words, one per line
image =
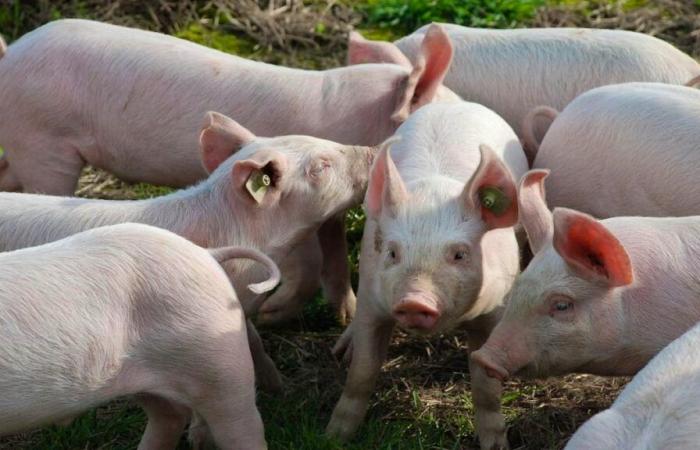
column 423, row 399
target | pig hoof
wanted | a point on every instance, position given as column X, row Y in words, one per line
column 339, row 430
column 346, row 310
column 275, row 316
column 497, row 442
column 271, row 382
column 343, row 347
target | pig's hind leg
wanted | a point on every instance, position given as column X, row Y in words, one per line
column 301, row 271
column 166, row 422
column 46, row 166
column 335, row 275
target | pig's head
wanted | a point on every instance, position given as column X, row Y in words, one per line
column 423, row 82
column 281, row 188
column 564, row 311
column 427, row 243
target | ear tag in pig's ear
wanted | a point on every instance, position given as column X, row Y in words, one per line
column 257, row 184
column 494, row 200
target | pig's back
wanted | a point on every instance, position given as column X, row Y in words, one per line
column 133, row 101
column 443, row 139
column 512, row 71
column 76, row 301
column 629, row 149
column 27, row 220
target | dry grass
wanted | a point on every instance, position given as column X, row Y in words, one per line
column 674, row 21
column 424, row 387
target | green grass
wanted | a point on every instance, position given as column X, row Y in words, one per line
column 423, row 399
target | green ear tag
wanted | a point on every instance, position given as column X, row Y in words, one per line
column 494, row 200
column 257, row 184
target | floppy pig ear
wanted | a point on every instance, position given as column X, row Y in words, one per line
column 427, row 74
column 386, row 189
column 256, row 180
column 361, row 51
column 220, row 138
column 532, row 208
column 590, row 249
column 491, row 191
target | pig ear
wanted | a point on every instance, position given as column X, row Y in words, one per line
column 590, row 249
column 220, row 138
column 532, row 208
column 427, row 74
column 361, row 51
column 491, row 191
column 257, row 180
column 386, row 190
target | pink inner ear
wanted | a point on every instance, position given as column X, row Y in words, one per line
column 362, row 51
column 492, row 173
column 375, row 189
column 221, row 137
column 437, row 54
column 532, row 209
column 587, row 244
column 215, row 149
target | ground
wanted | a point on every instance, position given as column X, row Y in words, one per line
column 423, row 399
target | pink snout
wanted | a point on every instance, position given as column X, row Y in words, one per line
column 493, row 369
column 416, row 313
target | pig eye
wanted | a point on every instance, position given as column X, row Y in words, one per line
column 319, row 167
column 392, row 253
column 561, row 308
column 458, row 254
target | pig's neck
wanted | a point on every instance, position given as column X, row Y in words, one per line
column 209, row 216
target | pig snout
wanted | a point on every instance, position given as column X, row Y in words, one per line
column 417, row 312
column 485, row 358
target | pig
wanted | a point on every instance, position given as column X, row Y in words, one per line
column 657, row 410
column 308, row 181
column 438, row 249
column 513, row 71
column 128, row 310
column 129, row 101
column 624, row 150
column 600, row 296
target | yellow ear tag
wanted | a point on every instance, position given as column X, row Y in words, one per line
column 257, row 185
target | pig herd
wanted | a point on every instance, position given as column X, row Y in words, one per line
column 449, row 135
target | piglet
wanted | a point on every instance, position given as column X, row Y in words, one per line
column 624, row 150
column 600, row 296
column 129, row 101
column 270, row 194
column 438, row 249
column 128, row 310
column 513, row 71
column 657, row 410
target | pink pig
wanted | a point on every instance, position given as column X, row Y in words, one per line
column 513, row 71
column 624, row 150
column 438, row 249
column 130, row 102
column 657, row 410
column 128, row 310
column 309, row 180
column 600, row 297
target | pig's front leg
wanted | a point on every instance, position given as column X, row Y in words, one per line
column 335, row 275
column 266, row 373
column 370, row 341
column 486, row 395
